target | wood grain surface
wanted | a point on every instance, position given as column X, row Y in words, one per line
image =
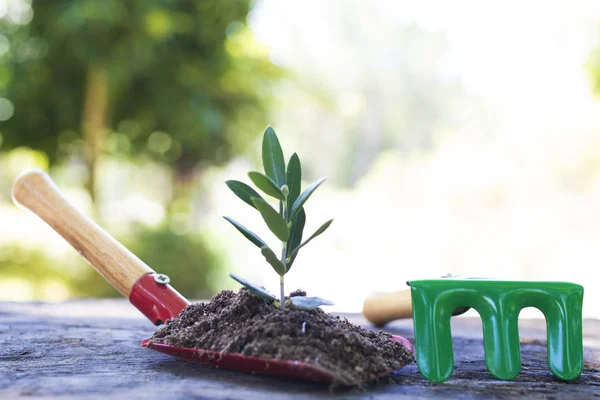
column 35, row 191
column 90, row 349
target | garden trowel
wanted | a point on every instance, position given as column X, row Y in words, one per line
column 148, row 291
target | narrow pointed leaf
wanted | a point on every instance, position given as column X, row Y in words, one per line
column 322, row 229
column 294, row 178
column 272, row 157
column 299, row 203
column 274, row 221
column 295, row 236
column 243, row 191
column 266, row 184
column 254, row 289
column 309, row 303
column 247, row 233
column 273, row 260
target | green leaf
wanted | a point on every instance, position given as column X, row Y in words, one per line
column 266, row 184
column 322, row 229
column 243, row 191
column 299, row 203
column 294, row 178
column 295, row 236
column 254, row 289
column 272, row 157
column 274, row 221
column 247, row 233
column 273, row 260
column 309, row 303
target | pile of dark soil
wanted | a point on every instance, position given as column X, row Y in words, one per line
column 245, row 324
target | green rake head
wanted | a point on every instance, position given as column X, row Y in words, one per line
column 498, row 303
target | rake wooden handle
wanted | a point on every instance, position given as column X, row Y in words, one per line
column 35, row 191
column 380, row 308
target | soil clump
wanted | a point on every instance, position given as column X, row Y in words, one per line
column 242, row 323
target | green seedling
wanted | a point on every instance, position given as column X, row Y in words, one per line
column 282, row 183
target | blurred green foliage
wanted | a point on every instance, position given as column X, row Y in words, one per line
column 35, row 267
column 179, row 78
column 186, row 259
column 181, row 257
column 181, row 83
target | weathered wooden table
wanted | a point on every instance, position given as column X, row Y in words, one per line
column 91, row 349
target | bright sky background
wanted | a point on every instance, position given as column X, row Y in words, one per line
column 526, row 60
column 509, row 52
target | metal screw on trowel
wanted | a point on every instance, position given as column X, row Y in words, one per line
column 162, row 279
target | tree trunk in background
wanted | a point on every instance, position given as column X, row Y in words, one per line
column 182, row 185
column 93, row 124
column 184, row 175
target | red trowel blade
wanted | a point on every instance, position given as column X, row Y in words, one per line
column 254, row 365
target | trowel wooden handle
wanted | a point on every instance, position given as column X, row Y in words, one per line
column 380, row 308
column 35, row 191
